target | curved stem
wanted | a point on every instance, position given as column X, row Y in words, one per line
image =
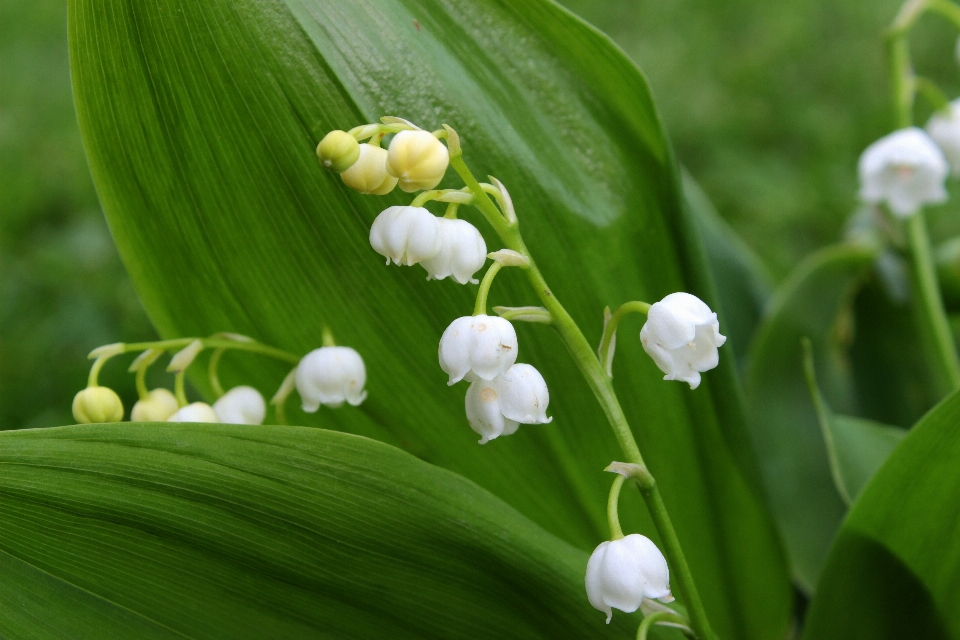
column 610, row 329
column 613, row 501
column 212, row 372
column 654, row 618
column 95, row 370
column 142, row 391
column 480, row 308
column 178, row 390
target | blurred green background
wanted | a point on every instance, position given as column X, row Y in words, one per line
column 768, row 104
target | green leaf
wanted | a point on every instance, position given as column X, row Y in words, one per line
column 743, row 284
column 856, row 447
column 815, row 303
column 226, row 531
column 200, row 121
column 892, row 572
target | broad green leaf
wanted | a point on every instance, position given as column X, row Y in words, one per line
column 200, row 120
column 856, row 447
column 742, row 282
column 225, row 531
column 893, row 571
column 815, row 303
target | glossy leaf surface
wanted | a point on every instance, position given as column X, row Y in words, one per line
column 200, row 121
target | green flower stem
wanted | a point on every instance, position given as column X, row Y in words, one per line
column 178, row 390
column 214, row 343
column 935, row 335
column 613, row 508
column 654, row 618
column 212, row 372
column 481, row 306
column 602, row 388
column 610, row 330
column 95, row 371
column 142, row 392
column 326, row 338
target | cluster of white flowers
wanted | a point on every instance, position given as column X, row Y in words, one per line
column 623, row 574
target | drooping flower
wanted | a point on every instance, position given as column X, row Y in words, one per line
column 330, row 376
column 498, row 407
column 159, row 405
column 194, row 412
column 479, row 346
column 621, row 573
column 97, row 404
column 462, row 252
column 944, row 128
column 338, row 151
column 682, row 335
column 241, row 405
column 406, row 235
column 368, row 174
column 905, row 169
column 417, row 159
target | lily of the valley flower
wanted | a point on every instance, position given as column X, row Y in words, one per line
column 158, row 406
column 338, row 151
column 406, row 235
column 97, row 404
column 417, row 159
column 241, row 405
column 498, row 407
column 622, row 573
column 682, row 335
column 194, row 412
column 479, row 346
column 944, row 128
column 330, row 376
column 462, row 252
column 368, row 174
column 905, row 169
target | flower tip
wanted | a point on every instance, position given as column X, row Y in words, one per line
column 667, row 598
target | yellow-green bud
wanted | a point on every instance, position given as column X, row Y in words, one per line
column 417, row 159
column 159, row 405
column 338, row 151
column 97, row 404
column 369, row 173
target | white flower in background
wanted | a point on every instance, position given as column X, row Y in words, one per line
column 462, row 252
column 497, row 407
column 195, row 412
column 330, row 376
column 338, row 151
column 158, row 406
column 477, row 347
column 369, row 173
column 406, row 235
column 241, row 405
column 905, row 169
column 417, row 159
column 97, row 404
column 621, row 573
column 682, row 334
column 944, row 128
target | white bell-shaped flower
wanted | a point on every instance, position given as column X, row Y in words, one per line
column 417, row 159
column 905, row 169
column 497, row 407
column 241, row 405
column 406, row 235
column 944, row 128
column 682, row 335
column 158, row 406
column 368, row 174
column 462, row 252
column 621, row 573
column 477, row 347
column 195, row 412
column 330, row 376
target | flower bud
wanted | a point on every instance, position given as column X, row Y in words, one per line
column 330, row 375
column 369, row 173
column 406, row 235
column 338, row 151
column 196, row 412
column 241, row 405
column 621, row 573
column 477, row 347
column 158, row 406
column 681, row 334
column 97, row 404
column 497, row 407
column 905, row 169
column 944, row 129
column 417, row 159
column 462, row 252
